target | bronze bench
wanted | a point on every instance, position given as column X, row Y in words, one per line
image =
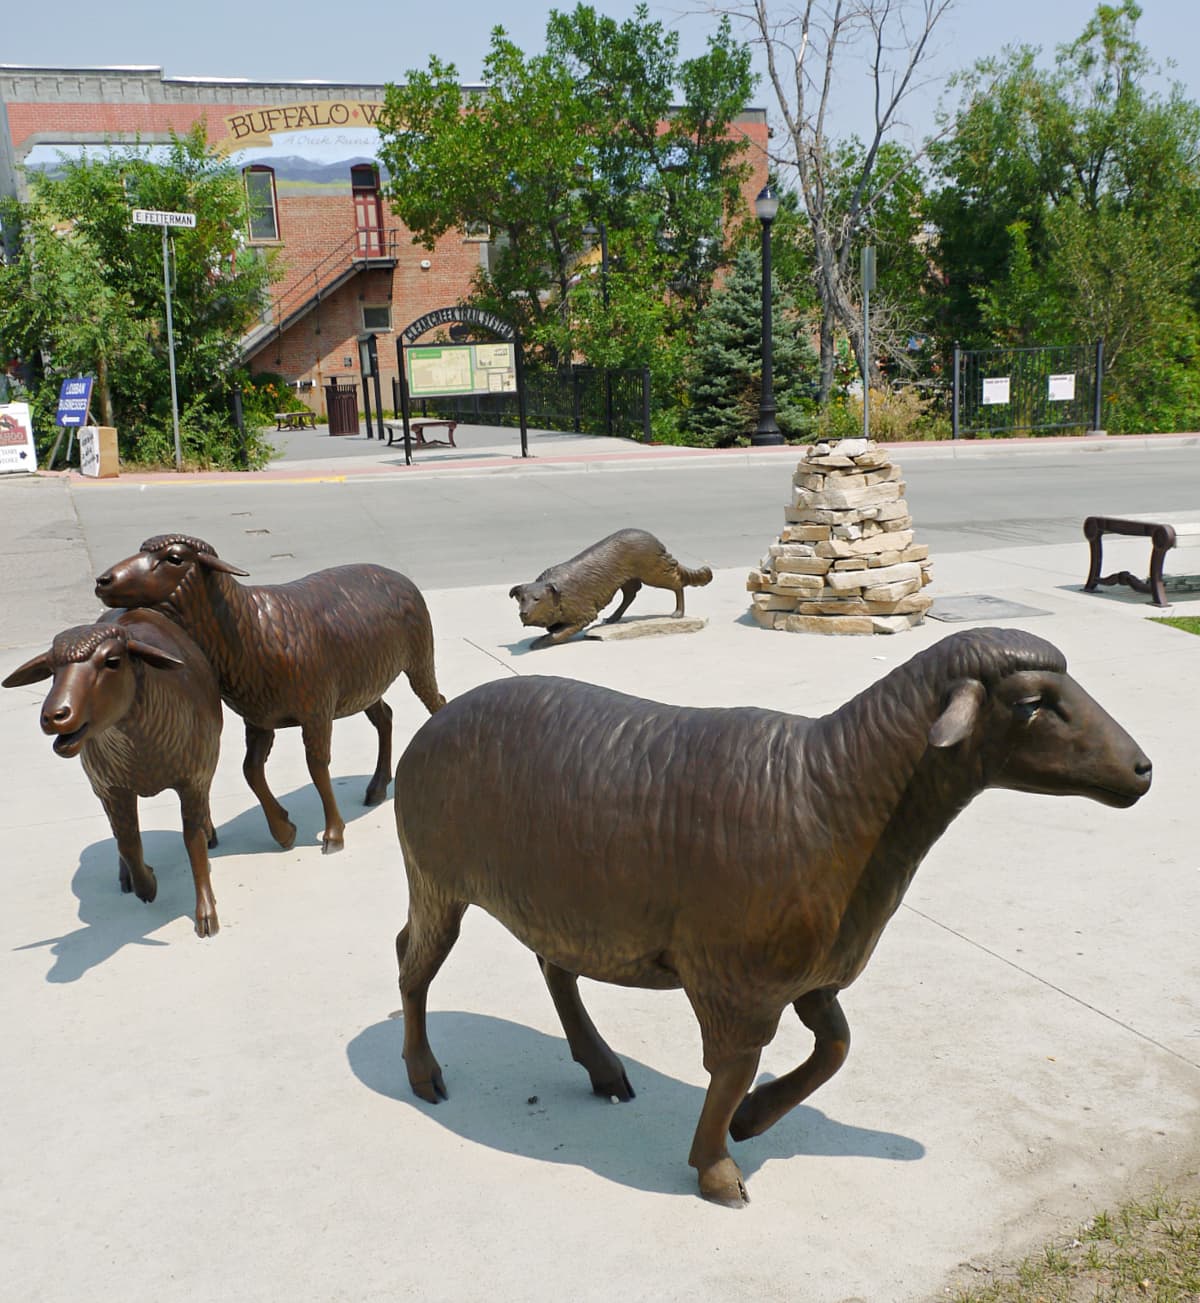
column 1164, row 533
column 395, row 431
column 301, row 420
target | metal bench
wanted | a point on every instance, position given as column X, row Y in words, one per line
column 395, row 431
column 1164, row 531
column 304, row 419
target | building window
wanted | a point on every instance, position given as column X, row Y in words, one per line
column 377, row 318
column 477, row 233
column 260, row 200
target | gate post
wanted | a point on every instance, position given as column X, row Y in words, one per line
column 955, row 392
column 1098, row 391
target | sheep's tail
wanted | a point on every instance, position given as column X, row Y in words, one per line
column 695, row 578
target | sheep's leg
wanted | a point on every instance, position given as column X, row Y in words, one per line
column 730, row 1075
column 423, row 681
column 678, row 611
column 318, row 742
column 259, row 742
column 421, row 949
column 380, row 714
column 587, row 1045
column 821, row 1013
column 196, row 824
column 134, row 874
column 628, row 592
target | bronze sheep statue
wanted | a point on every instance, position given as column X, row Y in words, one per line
column 298, row 654
column 568, row 597
column 750, row 857
column 135, row 700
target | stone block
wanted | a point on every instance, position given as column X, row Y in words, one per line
column 884, row 475
column 757, row 580
column 826, row 624
column 851, row 563
column 764, row 619
column 914, row 603
column 896, row 623
column 897, row 524
column 881, row 559
column 903, row 573
column 891, row 592
column 801, row 585
column 853, row 495
column 800, row 565
column 792, row 550
column 646, row 626
column 805, row 533
column 841, row 606
column 917, row 552
column 884, row 540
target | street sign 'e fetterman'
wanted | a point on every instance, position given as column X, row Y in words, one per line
column 157, row 217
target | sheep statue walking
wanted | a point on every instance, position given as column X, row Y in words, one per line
column 135, row 700
column 750, row 857
column 298, row 654
column 567, row 597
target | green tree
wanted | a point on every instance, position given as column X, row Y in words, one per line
column 561, row 142
column 725, row 365
column 1070, row 210
column 84, row 295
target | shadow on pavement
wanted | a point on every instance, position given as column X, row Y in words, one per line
column 516, row 1089
column 112, row 919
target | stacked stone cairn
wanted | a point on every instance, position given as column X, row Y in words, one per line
column 845, row 561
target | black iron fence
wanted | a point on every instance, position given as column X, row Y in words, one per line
column 580, row 400
column 999, row 391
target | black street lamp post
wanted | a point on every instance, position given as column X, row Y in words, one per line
column 767, row 432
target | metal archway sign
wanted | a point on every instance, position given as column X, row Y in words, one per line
column 466, row 368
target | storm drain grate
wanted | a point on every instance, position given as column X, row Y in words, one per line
column 979, row 606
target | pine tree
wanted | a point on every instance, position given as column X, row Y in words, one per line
column 725, row 372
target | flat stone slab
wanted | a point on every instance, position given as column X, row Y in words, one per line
column 646, row 626
column 979, row 606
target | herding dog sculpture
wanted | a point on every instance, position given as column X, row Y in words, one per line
column 566, row 598
column 638, row 843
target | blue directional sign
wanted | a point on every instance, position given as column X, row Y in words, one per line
column 73, row 400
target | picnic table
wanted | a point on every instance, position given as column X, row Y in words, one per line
column 304, row 419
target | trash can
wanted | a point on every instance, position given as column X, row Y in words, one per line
column 341, row 402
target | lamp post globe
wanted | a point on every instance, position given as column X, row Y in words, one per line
column 766, row 432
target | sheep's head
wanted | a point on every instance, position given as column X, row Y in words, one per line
column 155, row 572
column 1037, row 730
column 539, row 603
column 94, row 681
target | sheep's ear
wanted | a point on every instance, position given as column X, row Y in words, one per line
column 552, row 589
column 155, row 656
column 516, row 591
column 31, row 672
column 962, row 710
column 211, row 562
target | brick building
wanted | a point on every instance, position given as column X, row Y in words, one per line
column 307, row 153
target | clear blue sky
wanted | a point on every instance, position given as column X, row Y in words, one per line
column 298, row 39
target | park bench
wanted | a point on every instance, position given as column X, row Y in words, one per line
column 395, row 431
column 1164, row 530
column 304, row 419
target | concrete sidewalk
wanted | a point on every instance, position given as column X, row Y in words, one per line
column 230, row 1119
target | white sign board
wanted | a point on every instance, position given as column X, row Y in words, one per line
column 17, row 451
column 995, row 391
column 89, row 451
column 1061, row 389
column 157, row 217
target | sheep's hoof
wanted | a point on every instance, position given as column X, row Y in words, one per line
column 207, row 925
column 617, row 1088
column 722, row 1183
column 212, row 838
column 376, row 793
column 430, row 1091
column 330, row 845
column 285, row 834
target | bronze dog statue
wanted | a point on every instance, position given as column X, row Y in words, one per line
column 568, row 597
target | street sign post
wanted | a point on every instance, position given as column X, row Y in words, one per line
column 168, row 220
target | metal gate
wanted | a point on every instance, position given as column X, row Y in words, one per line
column 999, row 391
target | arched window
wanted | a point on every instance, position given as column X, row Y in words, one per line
column 260, row 201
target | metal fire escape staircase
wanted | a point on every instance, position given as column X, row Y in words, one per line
column 308, row 291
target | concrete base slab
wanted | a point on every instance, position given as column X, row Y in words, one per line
column 646, row 626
